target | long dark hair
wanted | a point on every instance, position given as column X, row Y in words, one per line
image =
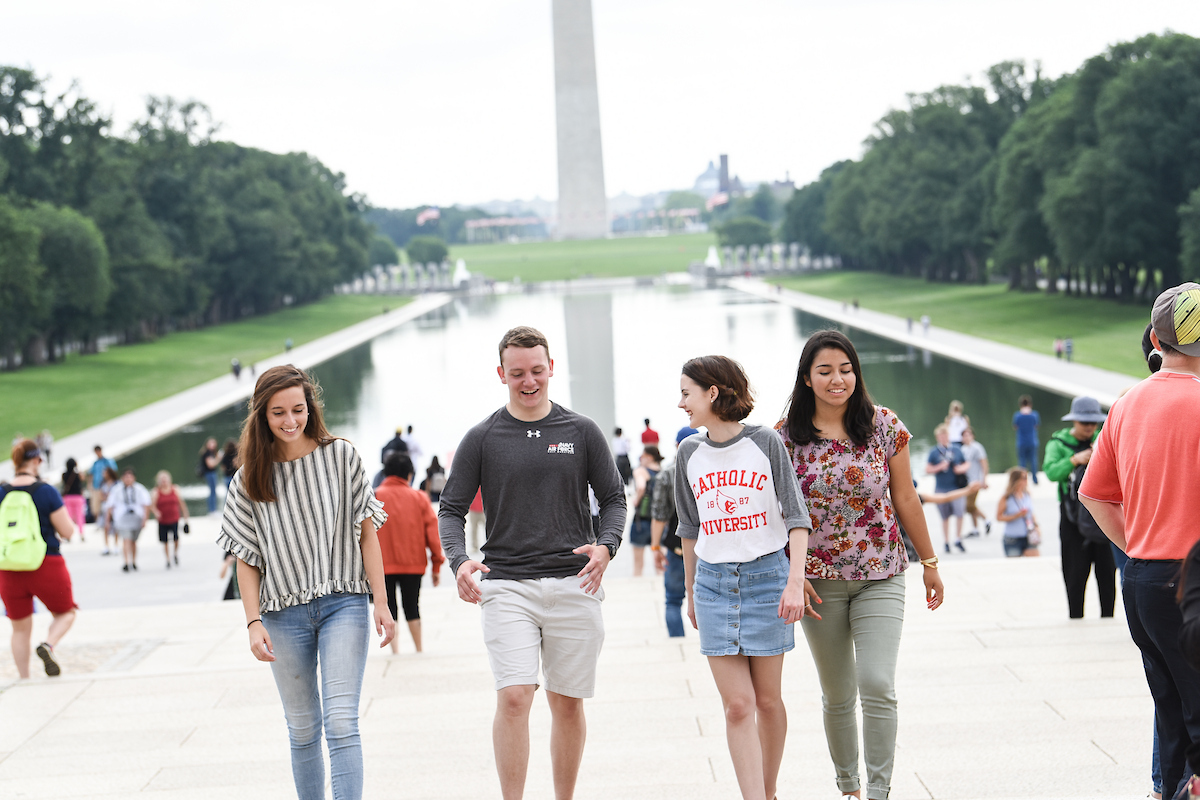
column 859, row 416
column 257, row 445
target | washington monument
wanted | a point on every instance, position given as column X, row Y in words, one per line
column 582, row 203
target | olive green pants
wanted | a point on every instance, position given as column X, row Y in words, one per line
column 854, row 646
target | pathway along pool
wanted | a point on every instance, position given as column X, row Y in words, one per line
column 616, row 357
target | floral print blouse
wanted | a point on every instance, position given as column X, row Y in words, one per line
column 855, row 533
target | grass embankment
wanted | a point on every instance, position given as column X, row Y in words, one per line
column 598, row 258
column 82, row 391
column 1106, row 334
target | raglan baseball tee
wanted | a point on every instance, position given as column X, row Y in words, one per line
column 738, row 499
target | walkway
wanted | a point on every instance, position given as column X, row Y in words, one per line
column 1066, row 378
column 1001, row 696
column 138, row 428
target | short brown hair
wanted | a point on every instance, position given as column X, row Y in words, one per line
column 19, row 450
column 523, row 336
column 735, row 398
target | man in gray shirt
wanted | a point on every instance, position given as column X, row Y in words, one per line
column 542, row 569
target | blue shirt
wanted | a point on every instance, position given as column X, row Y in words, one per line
column 1027, row 425
column 47, row 500
column 98, row 470
column 944, row 480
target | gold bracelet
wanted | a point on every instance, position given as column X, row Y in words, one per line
column 931, row 562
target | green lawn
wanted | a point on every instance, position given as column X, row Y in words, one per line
column 601, row 258
column 86, row 390
column 1106, row 333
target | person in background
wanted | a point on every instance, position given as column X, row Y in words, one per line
column 97, row 497
column 206, row 467
column 946, row 463
column 1066, row 450
column 620, row 448
column 1025, row 422
column 229, row 460
column 435, row 481
column 649, row 464
column 109, row 482
column 665, row 542
column 45, row 441
column 1021, row 532
column 127, row 509
column 411, row 530
column 168, row 508
column 649, row 435
column 414, row 447
column 72, row 495
column 50, row 582
column 977, row 473
column 1140, row 488
column 956, row 422
column 395, row 444
column 302, row 520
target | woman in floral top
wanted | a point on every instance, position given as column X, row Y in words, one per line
column 851, row 458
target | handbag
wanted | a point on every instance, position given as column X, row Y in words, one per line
column 960, row 480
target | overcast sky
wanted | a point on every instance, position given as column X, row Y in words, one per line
column 453, row 101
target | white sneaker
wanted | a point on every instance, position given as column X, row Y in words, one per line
column 104, row 552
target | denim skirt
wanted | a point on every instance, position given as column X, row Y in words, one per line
column 737, row 607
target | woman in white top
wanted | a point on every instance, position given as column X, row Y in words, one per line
column 956, row 422
column 301, row 519
column 739, row 507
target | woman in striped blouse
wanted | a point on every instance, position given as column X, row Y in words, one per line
column 301, row 519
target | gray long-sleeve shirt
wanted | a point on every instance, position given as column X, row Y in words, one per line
column 534, row 477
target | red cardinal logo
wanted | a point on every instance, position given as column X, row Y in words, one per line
column 726, row 503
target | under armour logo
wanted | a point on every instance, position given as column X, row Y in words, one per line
column 531, row 434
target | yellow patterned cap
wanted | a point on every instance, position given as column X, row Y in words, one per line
column 1176, row 318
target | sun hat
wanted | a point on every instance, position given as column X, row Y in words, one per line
column 1085, row 409
column 684, row 432
column 1176, row 318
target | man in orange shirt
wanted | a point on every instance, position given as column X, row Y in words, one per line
column 411, row 530
column 1140, row 487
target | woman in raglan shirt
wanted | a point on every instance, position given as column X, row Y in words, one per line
column 739, row 506
column 852, row 460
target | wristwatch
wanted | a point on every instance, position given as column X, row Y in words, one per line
column 612, row 551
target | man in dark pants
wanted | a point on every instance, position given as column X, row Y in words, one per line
column 1067, row 450
column 669, row 556
column 1140, row 487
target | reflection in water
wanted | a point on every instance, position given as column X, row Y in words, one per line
column 617, row 358
column 590, row 349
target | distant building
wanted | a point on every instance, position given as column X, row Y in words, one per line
column 709, row 182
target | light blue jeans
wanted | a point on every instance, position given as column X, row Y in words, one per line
column 333, row 631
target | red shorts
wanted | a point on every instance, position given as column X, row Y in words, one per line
column 50, row 582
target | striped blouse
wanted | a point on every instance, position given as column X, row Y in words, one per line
column 305, row 543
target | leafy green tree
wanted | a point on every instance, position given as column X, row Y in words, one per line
column 23, row 299
column 1189, row 235
column 804, row 214
column 765, row 205
column 382, row 251
column 77, row 283
column 426, row 249
column 744, row 231
column 684, row 200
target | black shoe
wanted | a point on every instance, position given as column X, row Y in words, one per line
column 46, row 654
column 134, row 567
column 947, row 548
column 957, row 544
column 972, row 535
column 168, row 563
column 987, row 528
column 125, row 568
column 177, row 560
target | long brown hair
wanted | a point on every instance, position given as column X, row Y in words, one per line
column 257, row 444
column 1014, row 474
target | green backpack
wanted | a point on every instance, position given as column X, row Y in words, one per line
column 22, row 548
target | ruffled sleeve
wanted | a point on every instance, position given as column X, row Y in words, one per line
column 362, row 497
column 894, row 434
column 238, row 534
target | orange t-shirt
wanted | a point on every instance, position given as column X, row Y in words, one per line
column 1147, row 458
column 410, row 530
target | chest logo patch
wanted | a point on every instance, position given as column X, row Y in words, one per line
column 531, row 434
column 562, row 447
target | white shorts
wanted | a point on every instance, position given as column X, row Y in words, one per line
column 550, row 617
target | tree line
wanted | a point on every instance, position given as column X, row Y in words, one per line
column 157, row 229
column 1092, row 178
